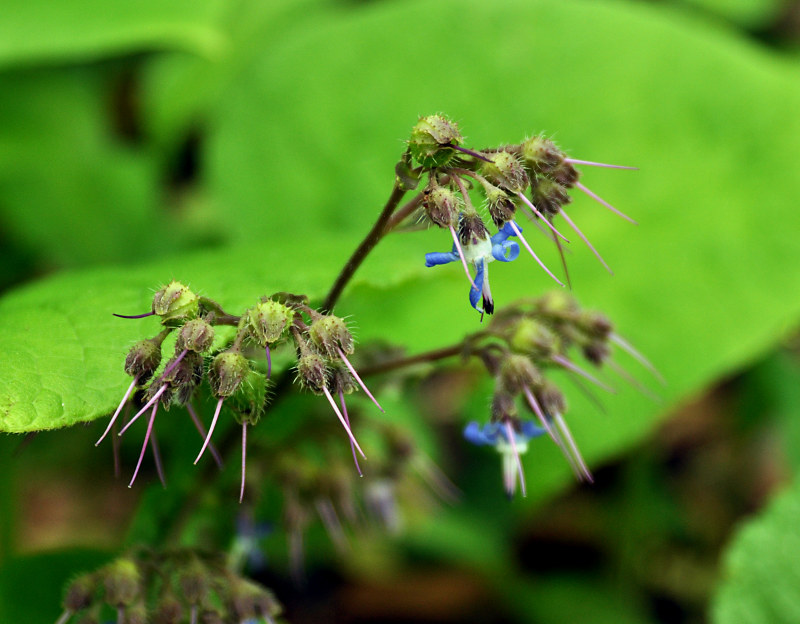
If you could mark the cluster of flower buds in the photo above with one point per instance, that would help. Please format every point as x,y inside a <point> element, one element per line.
<point>319,487</point>
<point>521,344</point>
<point>533,176</point>
<point>237,372</point>
<point>170,587</point>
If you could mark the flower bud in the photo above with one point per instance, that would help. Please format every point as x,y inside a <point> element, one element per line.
<point>196,335</point>
<point>250,400</point>
<point>534,338</point>
<point>506,171</point>
<point>168,610</point>
<point>471,229</point>
<point>541,155</point>
<point>143,359</point>
<point>227,372</point>
<point>329,334</point>
<point>311,371</point>
<point>430,141</point>
<point>549,196</point>
<point>565,174</point>
<point>441,205</point>
<point>595,324</point>
<point>551,399</point>
<point>596,351</point>
<point>518,372</point>
<point>557,304</point>
<point>268,320</point>
<point>341,379</point>
<point>175,303</point>
<point>501,206</point>
<point>80,593</point>
<point>503,407</point>
<point>122,582</point>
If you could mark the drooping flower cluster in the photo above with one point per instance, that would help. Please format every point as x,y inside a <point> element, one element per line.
<point>167,587</point>
<point>533,176</point>
<point>238,378</point>
<point>522,343</point>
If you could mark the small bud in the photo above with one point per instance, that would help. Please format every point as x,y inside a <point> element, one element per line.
<point>311,371</point>
<point>503,407</point>
<point>534,338</point>
<point>196,335</point>
<point>341,379</point>
<point>551,399</point>
<point>80,593</point>
<point>595,324</point>
<point>518,372</point>
<point>268,320</point>
<point>549,196</point>
<point>557,304</point>
<point>596,352</point>
<point>431,139</point>
<point>471,229</point>
<point>541,155</point>
<point>441,205</point>
<point>227,372</point>
<point>183,379</point>
<point>175,303</point>
<point>250,400</point>
<point>168,610</point>
<point>506,171</point>
<point>329,334</point>
<point>143,359</point>
<point>501,206</point>
<point>121,580</point>
<point>565,174</point>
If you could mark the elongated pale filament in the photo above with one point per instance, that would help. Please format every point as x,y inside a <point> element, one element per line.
<point>585,240</point>
<point>560,359</point>
<point>210,429</point>
<point>591,163</point>
<point>576,453</point>
<point>513,442</point>
<point>347,420</point>
<point>602,201</point>
<point>144,446</point>
<point>147,405</point>
<point>629,348</point>
<point>357,378</point>
<point>542,217</point>
<point>535,257</point>
<point>461,255</point>
<point>119,409</point>
<point>328,396</point>
<point>157,459</point>
<point>244,459</point>
<point>203,433</point>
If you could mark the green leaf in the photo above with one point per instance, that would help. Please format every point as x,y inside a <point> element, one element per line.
<point>762,568</point>
<point>40,31</point>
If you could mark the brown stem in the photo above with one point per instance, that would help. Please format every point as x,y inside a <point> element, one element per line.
<point>362,251</point>
<point>428,356</point>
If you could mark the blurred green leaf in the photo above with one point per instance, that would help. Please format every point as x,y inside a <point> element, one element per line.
<point>31,588</point>
<point>745,13</point>
<point>39,31</point>
<point>762,568</point>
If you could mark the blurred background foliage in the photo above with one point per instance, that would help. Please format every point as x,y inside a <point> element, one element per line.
<point>246,147</point>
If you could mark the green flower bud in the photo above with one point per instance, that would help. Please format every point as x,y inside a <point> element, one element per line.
<point>541,155</point>
<point>501,206</point>
<point>143,359</point>
<point>506,171</point>
<point>518,372</point>
<point>431,139</point>
<point>329,334</point>
<point>196,335</point>
<point>534,338</point>
<point>441,205</point>
<point>249,402</point>
<point>312,372</point>
<point>551,399</point>
<point>122,582</point>
<point>557,304</point>
<point>549,196</point>
<point>503,407</point>
<point>80,593</point>
<point>227,372</point>
<point>595,324</point>
<point>175,303</point>
<point>268,320</point>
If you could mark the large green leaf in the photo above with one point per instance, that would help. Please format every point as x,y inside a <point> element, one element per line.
<point>762,568</point>
<point>39,31</point>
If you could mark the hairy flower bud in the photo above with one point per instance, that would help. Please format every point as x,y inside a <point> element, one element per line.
<point>168,610</point>
<point>534,338</point>
<point>503,407</point>
<point>518,372</point>
<point>441,205</point>
<point>122,582</point>
<point>565,174</point>
<point>227,372</point>
<point>549,196</point>
<point>595,324</point>
<point>551,399</point>
<point>506,171</point>
<point>143,359</point>
<point>80,593</point>
<point>268,320</point>
<point>329,334</point>
<point>541,155</point>
<point>596,351</point>
<point>311,371</point>
<point>175,303</point>
<point>431,139</point>
<point>196,335</point>
<point>471,229</point>
<point>250,400</point>
<point>501,207</point>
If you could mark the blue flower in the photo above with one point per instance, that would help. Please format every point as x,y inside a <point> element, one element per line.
<point>498,247</point>
<point>510,443</point>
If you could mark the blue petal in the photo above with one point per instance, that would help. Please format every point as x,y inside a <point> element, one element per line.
<point>531,430</point>
<point>474,434</point>
<point>504,233</point>
<point>440,257</point>
<point>474,293</point>
<point>510,247</point>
